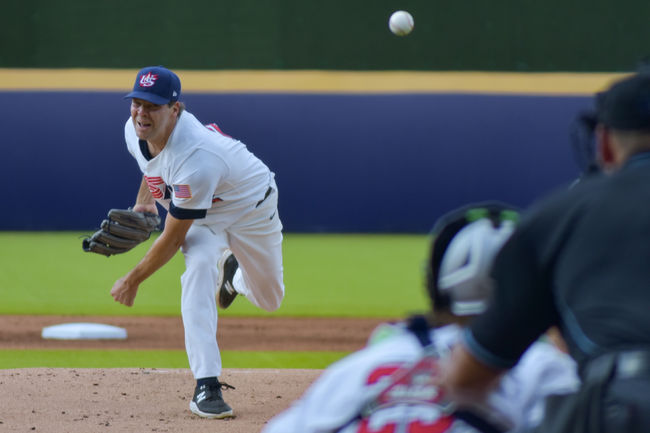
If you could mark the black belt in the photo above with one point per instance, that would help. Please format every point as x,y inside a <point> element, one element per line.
<point>623,365</point>
<point>632,364</point>
<point>266,195</point>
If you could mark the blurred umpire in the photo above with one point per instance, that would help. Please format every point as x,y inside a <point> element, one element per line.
<point>581,260</point>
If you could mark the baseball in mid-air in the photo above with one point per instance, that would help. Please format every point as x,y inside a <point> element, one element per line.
<point>401,23</point>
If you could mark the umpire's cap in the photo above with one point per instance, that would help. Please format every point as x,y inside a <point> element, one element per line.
<point>463,246</point>
<point>626,104</point>
<point>157,85</point>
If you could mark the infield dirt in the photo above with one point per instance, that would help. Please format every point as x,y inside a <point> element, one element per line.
<point>57,400</point>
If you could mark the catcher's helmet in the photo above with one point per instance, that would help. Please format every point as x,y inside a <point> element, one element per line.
<point>464,244</point>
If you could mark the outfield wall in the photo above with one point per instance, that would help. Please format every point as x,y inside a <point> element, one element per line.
<point>381,159</point>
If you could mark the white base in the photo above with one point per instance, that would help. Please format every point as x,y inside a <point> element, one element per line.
<point>83,331</point>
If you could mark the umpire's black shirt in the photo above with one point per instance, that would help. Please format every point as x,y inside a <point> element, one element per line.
<point>580,260</point>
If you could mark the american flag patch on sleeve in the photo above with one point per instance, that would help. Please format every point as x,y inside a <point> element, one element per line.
<point>182,191</point>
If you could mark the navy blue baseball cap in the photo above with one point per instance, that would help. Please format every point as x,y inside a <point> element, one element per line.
<point>157,85</point>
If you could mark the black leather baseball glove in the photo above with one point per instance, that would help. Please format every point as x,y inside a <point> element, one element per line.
<point>122,231</point>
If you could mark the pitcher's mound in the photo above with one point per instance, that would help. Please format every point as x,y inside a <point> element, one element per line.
<point>57,400</point>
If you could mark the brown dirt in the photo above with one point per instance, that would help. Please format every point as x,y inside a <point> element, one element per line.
<point>234,333</point>
<point>156,400</point>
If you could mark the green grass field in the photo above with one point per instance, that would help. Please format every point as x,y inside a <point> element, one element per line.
<point>159,359</point>
<point>325,275</point>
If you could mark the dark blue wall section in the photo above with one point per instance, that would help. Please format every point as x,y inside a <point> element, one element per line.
<point>343,163</point>
<point>64,162</point>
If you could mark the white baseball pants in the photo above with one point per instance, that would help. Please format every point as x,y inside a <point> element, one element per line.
<point>256,241</point>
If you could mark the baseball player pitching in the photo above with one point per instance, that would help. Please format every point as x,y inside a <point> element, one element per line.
<point>392,384</point>
<point>222,214</point>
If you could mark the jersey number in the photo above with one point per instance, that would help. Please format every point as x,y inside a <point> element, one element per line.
<point>427,367</point>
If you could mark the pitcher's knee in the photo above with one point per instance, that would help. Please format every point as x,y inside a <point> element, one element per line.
<point>271,307</point>
<point>270,296</point>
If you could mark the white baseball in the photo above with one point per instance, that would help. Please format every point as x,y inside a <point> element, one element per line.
<point>401,23</point>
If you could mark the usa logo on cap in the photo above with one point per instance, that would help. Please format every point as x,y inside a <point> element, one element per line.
<point>148,79</point>
<point>157,85</point>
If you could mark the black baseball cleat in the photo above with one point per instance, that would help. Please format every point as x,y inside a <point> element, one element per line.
<point>208,401</point>
<point>227,267</point>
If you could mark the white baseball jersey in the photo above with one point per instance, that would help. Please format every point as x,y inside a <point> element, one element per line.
<point>340,392</point>
<point>200,174</point>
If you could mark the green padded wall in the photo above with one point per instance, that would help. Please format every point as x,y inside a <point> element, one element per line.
<point>505,35</point>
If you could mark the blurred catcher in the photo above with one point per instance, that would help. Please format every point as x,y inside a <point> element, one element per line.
<point>391,385</point>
